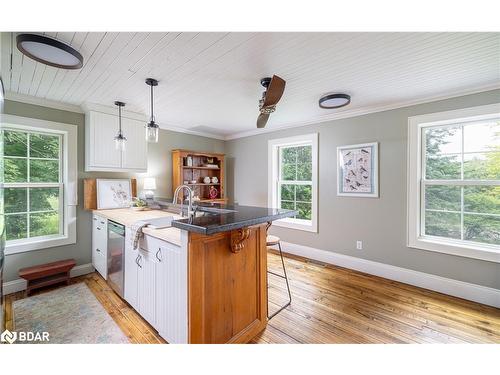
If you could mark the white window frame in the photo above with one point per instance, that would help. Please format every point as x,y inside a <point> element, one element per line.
<point>273,200</point>
<point>415,201</point>
<point>69,170</point>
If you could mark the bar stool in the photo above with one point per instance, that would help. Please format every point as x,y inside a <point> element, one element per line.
<point>273,241</point>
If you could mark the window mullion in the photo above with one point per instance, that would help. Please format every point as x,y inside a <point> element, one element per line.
<point>28,178</point>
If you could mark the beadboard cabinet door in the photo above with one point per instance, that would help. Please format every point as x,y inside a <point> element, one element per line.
<point>131,271</point>
<point>146,289</point>
<point>135,156</point>
<point>100,151</point>
<point>171,293</point>
<point>100,145</point>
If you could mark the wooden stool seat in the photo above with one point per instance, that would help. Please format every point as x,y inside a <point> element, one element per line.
<point>272,240</point>
<point>47,274</point>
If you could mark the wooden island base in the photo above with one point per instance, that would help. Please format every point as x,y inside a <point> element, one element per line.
<point>227,283</point>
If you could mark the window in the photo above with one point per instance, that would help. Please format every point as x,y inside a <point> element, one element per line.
<point>39,184</point>
<point>293,179</point>
<point>454,182</point>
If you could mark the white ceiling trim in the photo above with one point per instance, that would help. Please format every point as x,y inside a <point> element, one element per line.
<point>329,117</point>
<point>28,99</point>
<point>363,111</point>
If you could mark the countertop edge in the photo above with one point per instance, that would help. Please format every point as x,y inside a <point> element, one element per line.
<point>231,226</point>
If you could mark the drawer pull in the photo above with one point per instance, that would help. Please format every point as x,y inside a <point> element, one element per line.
<point>98,228</point>
<point>98,250</point>
<point>157,257</point>
<point>137,261</point>
<point>102,222</point>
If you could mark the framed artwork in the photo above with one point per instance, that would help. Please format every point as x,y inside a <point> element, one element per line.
<point>357,170</point>
<point>113,193</point>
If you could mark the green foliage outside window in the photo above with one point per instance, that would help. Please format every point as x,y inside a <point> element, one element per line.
<point>479,220</point>
<point>31,159</point>
<point>296,167</point>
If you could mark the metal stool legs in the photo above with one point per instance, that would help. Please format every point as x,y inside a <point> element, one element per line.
<point>287,286</point>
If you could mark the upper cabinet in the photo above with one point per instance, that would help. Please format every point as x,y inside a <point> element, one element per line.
<point>101,128</point>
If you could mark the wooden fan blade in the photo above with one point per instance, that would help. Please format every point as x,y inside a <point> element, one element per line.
<point>274,91</point>
<point>262,120</point>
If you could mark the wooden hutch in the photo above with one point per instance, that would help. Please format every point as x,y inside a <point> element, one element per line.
<point>191,168</point>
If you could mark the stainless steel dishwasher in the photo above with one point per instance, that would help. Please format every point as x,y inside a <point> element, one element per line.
<point>116,256</point>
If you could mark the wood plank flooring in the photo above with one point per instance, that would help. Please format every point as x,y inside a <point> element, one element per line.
<point>334,305</point>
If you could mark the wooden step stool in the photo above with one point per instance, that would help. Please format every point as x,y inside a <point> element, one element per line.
<point>47,274</point>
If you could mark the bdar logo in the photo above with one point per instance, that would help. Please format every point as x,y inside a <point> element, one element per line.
<point>8,336</point>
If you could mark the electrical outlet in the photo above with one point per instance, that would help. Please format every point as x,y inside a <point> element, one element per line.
<point>359,245</point>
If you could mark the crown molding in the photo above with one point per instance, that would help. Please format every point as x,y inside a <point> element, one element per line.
<point>28,99</point>
<point>112,110</point>
<point>317,120</point>
<point>363,111</point>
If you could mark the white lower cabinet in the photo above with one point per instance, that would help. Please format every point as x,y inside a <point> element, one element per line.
<point>146,288</point>
<point>156,286</point>
<point>171,293</point>
<point>100,244</point>
<point>131,269</point>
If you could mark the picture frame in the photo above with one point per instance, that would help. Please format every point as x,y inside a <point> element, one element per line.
<point>357,170</point>
<point>113,193</point>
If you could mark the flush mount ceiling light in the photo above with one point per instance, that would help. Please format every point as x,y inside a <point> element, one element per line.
<point>334,101</point>
<point>152,128</point>
<point>120,139</point>
<point>49,51</point>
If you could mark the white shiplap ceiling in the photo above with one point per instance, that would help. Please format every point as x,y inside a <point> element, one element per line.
<point>209,82</point>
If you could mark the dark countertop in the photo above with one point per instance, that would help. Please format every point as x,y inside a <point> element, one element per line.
<point>215,218</point>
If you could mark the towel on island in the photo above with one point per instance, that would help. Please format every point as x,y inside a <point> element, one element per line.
<point>137,234</point>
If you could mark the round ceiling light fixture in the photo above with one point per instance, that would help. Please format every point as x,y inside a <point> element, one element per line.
<point>49,51</point>
<point>330,101</point>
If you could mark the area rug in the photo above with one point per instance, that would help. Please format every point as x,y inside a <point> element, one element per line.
<point>71,315</point>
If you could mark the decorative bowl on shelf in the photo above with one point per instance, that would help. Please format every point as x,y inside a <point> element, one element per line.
<point>214,166</point>
<point>215,180</point>
<point>206,180</point>
<point>192,182</point>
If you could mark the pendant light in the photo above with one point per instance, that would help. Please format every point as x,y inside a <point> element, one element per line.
<point>152,128</point>
<point>120,139</point>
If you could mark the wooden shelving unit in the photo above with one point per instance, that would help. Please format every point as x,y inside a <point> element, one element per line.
<point>190,166</point>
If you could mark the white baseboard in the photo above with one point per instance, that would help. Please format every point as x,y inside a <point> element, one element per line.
<point>468,291</point>
<point>20,284</point>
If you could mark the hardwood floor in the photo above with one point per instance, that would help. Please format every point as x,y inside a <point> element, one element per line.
<point>335,305</point>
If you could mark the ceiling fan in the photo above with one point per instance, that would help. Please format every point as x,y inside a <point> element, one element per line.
<point>275,87</point>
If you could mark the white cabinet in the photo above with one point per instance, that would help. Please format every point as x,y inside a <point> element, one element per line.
<point>171,293</point>
<point>100,152</point>
<point>146,291</point>
<point>131,269</point>
<point>100,244</point>
<point>135,156</point>
<point>156,285</point>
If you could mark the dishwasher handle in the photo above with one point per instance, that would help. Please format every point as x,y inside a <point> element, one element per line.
<point>116,228</point>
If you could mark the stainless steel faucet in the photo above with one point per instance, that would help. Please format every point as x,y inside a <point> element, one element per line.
<point>190,211</point>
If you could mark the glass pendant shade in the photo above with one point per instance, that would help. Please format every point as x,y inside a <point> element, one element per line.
<point>120,142</point>
<point>152,131</point>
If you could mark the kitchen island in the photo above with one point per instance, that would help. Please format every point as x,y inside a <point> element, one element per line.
<point>203,279</point>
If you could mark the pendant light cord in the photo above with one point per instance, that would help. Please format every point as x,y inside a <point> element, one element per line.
<point>152,112</point>
<point>120,119</point>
